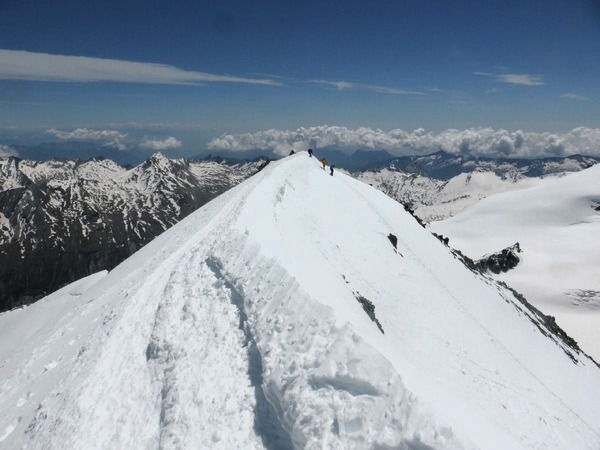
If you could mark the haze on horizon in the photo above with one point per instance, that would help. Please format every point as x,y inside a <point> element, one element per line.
<point>499,78</point>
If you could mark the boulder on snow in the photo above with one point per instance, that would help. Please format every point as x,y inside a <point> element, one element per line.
<point>369,308</point>
<point>394,240</point>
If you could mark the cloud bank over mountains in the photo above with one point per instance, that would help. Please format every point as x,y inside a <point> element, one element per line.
<point>6,150</point>
<point>485,142</point>
<point>86,134</point>
<point>111,138</point>
<point>115,139</point>
<point>158,144</point>
<point>474,141</point>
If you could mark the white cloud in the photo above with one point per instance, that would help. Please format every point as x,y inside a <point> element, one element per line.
<point>523,79</point>
<point>117,144</point>
<point>156,144</point>
<point>23,65</point>
<point>142,125</point>
<point>6,150</point>
<point>346,85</point>
<point>113,138</point>
<point>86,134</point>
<point>571,96</point>
<point>474,141</point>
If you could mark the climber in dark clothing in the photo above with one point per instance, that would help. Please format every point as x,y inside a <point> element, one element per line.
<point>292,152</point>
<point>331,168</point>
<point>310,152</point>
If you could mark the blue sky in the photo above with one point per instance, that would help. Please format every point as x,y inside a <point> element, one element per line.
<point>148,71</point>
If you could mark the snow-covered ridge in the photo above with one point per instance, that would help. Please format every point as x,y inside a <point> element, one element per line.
<point>240,327</point>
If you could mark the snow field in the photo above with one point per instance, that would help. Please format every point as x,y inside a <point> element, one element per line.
<point>240,328</point>
<point>559,233</point>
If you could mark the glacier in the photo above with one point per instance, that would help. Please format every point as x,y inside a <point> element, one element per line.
<point>241,327</point>
<point>557,224</point>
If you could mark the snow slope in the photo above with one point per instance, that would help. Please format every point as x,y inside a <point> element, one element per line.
<point>557,224</point>
<point>240,327</point>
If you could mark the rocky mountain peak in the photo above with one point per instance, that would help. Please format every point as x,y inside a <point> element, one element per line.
<point>85,216</point>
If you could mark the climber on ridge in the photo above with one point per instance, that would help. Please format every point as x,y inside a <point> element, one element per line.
<point>324,162</point>
<point>310,152</point>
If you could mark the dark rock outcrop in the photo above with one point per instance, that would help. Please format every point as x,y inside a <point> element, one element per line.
<point>394,240</point>
<point>369,308</point>
<point>443,239</point>
<point>501,261</point>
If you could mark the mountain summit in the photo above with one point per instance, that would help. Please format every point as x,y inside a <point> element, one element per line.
<point>296,310</point>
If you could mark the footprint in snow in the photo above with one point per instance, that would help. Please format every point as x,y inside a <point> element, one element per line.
<point>24,399</point>
<point>51,365</point>
<point>72,341</point>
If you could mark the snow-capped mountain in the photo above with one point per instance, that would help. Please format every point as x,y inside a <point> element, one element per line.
<point>61,220</point>
<point>443,165</point>
<point>433,199</point>
<point>557,225</point>
<point>296,310</point>
<point>441,185</point>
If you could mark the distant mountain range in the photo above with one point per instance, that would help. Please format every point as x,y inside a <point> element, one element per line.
<point>85,150</point>
<point>443,166</point>
<point>61,220</point>
<point>440,165</point>
<point>441,185</point>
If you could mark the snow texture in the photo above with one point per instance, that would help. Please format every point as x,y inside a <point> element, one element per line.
<point>240,328</point>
